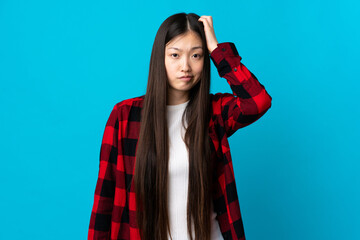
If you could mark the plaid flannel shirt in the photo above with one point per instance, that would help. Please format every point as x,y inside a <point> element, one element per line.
<point>114,210</point>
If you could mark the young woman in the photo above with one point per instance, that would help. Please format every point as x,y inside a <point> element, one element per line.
<point>165,165</point>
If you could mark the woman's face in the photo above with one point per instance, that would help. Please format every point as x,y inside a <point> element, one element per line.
<point>184,62</point>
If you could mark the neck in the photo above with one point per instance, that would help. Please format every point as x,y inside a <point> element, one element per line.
<point>175,98</point>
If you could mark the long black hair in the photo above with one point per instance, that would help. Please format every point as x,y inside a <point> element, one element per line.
<point>152,156</point>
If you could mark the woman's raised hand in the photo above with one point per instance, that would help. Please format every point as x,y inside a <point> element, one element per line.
<point>209,32</point>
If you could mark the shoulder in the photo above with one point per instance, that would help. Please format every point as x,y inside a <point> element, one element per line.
<point>128,109</point>
<point>135,101</point>
<point>127,104</point>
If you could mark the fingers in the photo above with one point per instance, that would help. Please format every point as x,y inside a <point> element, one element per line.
<point>206,20</point>
<point>209,32</point>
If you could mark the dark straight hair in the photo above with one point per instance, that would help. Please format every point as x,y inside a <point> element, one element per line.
<point>152,156</point>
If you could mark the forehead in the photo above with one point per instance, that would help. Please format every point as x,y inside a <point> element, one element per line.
<point>185,41</point>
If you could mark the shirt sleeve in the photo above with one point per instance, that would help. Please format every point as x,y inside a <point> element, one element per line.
<point>100,220</point>
<point>249,100</point>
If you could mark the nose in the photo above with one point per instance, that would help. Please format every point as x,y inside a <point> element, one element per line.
<point>185,65</point>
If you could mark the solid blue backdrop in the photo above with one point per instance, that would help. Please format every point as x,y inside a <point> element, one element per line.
<point>65,64</point>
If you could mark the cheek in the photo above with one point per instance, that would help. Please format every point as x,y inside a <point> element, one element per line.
<point>199,67</point>
<point>169,68</point>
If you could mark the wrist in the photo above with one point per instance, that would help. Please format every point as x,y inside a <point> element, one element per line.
<point>212,47</point>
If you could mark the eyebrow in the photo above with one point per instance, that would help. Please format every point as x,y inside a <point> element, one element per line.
<point>181,50</point>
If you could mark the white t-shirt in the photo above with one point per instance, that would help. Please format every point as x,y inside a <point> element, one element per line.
<point>179,176</point>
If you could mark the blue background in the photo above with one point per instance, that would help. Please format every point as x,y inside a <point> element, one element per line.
<point>65,64</point>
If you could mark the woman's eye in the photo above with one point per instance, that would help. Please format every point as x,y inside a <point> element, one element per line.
<point>197,55</point>
<point>174,55</point>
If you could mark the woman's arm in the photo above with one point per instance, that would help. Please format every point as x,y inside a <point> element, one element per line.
<point>249,100</point>
<point>100,221</point>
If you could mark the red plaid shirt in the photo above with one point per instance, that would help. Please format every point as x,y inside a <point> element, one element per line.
<point>113,214</point>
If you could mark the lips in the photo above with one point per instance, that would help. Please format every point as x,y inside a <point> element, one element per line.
<point>186,77</point>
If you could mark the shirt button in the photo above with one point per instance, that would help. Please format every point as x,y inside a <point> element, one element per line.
<point>223,49</point>
<point>235,69</point>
